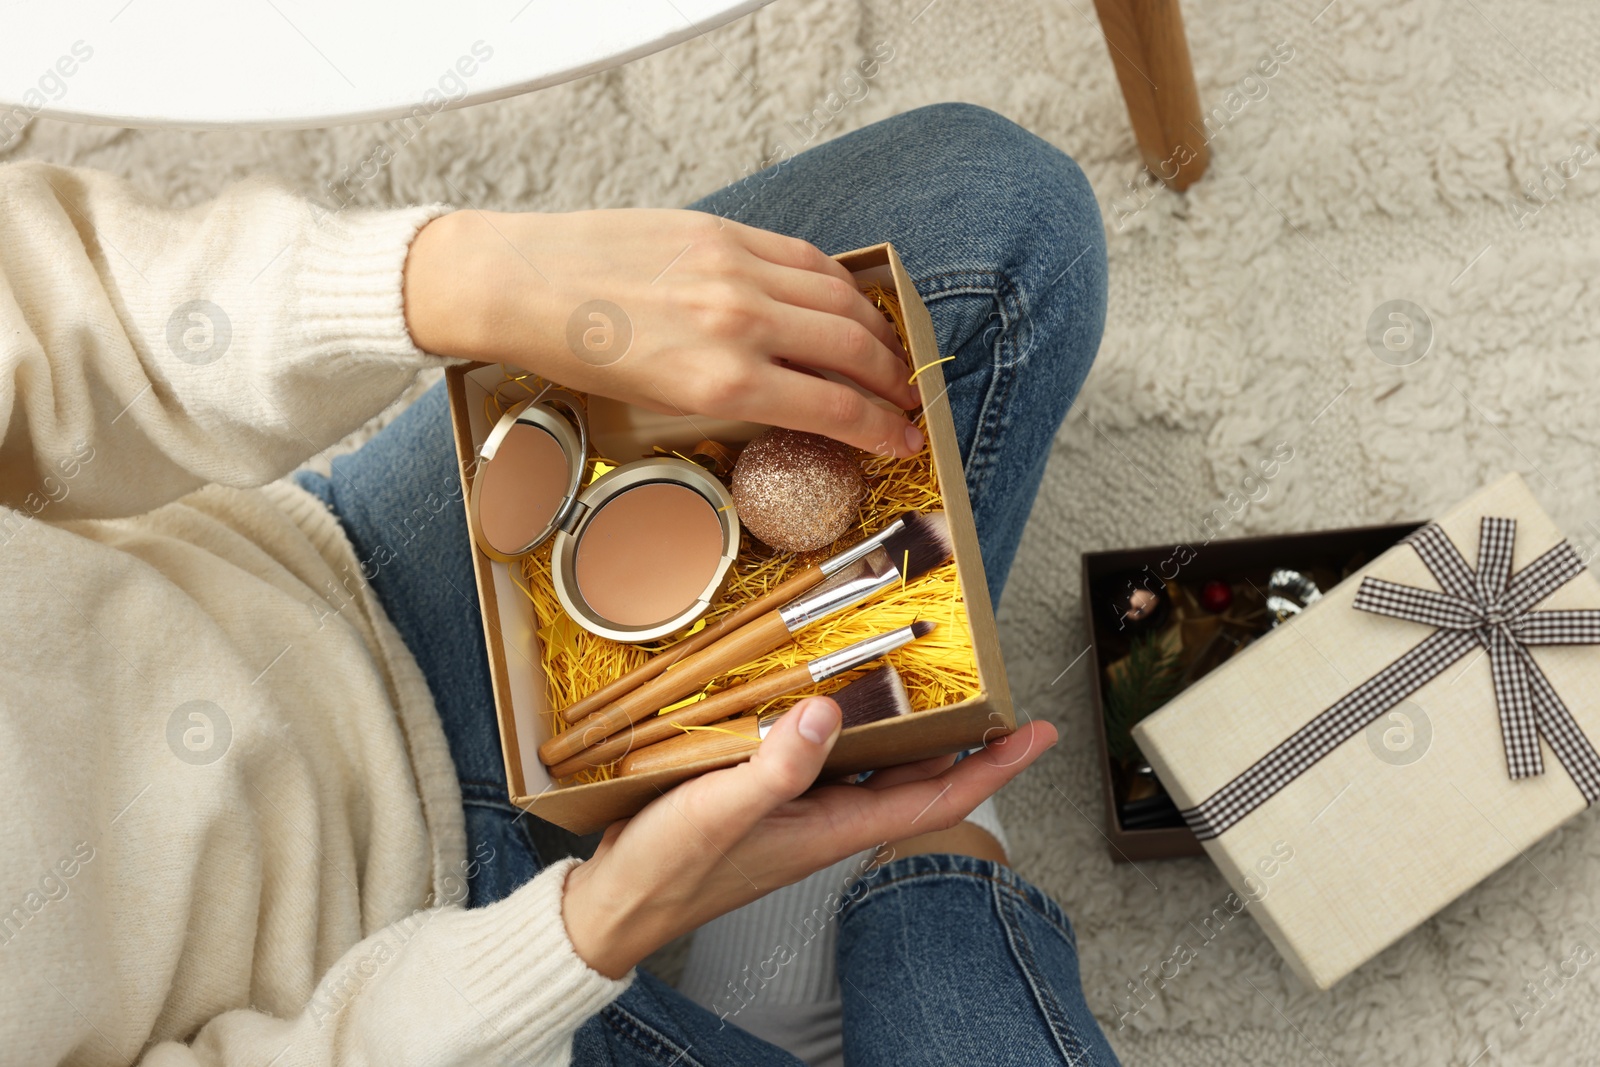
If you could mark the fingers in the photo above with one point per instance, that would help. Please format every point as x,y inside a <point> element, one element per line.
<point>965,785</point>
<point>777,302</point>
<point>902,810</point>
<point>793,252</point>
<point>800,274</point>
<point>909,772</point>
<point>826,293</point>
<point>786,764</point>
<point>828,341</point>
<point>802,402</point>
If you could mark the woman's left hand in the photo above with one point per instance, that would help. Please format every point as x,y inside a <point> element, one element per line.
<point>725,838</point>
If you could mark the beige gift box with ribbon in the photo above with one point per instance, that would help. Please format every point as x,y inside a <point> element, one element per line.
<point>1405,736</point>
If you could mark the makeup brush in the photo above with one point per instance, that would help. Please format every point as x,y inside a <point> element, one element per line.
<point>742,698</point>
<point>874,696</point>
<point>921,545</point>
<point>806,580</point>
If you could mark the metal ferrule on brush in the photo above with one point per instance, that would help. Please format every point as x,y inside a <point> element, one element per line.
<point>863,651</point>
<point>835,564</point>
<point>877,574</point>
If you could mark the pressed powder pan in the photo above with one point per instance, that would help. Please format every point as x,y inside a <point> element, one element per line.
<point>616,563</point>
<point>639,553</point>
<point>650,552</point>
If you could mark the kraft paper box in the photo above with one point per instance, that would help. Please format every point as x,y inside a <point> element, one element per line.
<point>510,631</point>
<point>1398,744</point>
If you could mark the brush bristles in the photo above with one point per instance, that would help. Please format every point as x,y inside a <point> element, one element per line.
<point>922,628</point>
<point>921,545</point>
<point>876,695</point>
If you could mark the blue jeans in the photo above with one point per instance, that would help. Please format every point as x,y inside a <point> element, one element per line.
<point>944,959</point>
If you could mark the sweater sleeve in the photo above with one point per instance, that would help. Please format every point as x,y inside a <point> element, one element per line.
<point>493,985</point>
<point>146,351</point>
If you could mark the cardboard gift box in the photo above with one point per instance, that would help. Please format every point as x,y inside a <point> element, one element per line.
<point>1373,758</point>
<point>511,632</point>
<point>1237,559</point>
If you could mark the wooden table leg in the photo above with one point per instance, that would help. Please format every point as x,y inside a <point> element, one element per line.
<point>1151,53</point>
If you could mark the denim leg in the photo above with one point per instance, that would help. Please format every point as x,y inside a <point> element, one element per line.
<point>654,1025</point>
<point>956,960</point>
<point>1001,235</point>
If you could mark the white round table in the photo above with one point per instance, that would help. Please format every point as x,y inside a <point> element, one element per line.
<point>205,64</point>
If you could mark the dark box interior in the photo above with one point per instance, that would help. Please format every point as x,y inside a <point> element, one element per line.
<point>1239,559</point>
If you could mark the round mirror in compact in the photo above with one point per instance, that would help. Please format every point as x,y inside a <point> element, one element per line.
<point>528,474</point>
<point>639,553</point>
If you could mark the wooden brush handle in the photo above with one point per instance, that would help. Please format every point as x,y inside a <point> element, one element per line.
<point>712,709</point>
<point>743,737</point>
<point>745,644</point>
<point>775,597</point>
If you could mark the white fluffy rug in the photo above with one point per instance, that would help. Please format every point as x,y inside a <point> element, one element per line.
<point>1376,164</point>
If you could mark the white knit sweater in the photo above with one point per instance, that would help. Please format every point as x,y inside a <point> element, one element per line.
<point>232,832</point>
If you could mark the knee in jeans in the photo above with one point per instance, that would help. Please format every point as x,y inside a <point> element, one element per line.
<point>974,134</point>
<point>1024,189</point>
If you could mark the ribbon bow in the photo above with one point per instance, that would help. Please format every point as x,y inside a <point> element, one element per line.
<point>1489,607</point>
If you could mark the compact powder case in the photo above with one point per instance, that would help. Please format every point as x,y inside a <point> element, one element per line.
<point>639,553</point>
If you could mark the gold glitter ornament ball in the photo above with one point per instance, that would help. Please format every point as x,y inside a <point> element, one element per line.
<point>797,491</point>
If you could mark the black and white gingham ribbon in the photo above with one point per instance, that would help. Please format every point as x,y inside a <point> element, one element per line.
<point>1488,608</point>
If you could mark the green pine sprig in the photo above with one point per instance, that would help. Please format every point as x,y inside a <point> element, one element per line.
<point>1149,678</point>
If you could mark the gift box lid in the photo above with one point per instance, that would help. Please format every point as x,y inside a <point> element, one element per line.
<point>1347,797</point>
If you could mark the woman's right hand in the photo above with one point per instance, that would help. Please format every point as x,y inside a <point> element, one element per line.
<point>679,312</point>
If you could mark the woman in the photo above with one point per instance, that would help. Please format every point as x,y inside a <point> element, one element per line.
<point>251,792</point>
